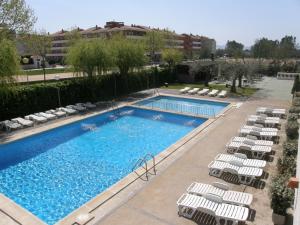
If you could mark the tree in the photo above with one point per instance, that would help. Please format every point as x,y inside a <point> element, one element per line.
<point>287,47</point>
<point>16,16</point>
<point>206,49</point>
<point>172,57</point>
<point>154,42</point>
<point>234,49</point>
<point>39,44</point>
<point>296,85</point>
<point>264,48</point>
<point>9,62</point>
<point>90,56</point>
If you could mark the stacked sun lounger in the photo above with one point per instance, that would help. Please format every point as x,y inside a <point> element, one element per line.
<point>213,205</point>
<point>42,117</point>
<point>265,121</point>
<point>271,112</point>
<point>184,90</point>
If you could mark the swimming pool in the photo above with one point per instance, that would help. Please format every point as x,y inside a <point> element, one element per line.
<point>53,173</point>
<point>184,105</point>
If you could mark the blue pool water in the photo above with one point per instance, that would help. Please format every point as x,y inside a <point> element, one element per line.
<point>53,173</point>
<point>184,105</point>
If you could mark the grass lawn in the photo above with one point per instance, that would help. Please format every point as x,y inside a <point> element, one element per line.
<point>242,92</point>
<point>48,71</point>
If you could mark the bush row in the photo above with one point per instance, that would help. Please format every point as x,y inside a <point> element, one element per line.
<point>22,100</point>
<point>282,196</point>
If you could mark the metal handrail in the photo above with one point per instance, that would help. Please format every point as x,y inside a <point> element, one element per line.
<point>142,162</point>
<point>182,108</point>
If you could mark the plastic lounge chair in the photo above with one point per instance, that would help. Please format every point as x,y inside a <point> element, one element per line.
<point>213,93</point>
<point>9,125</point>
<point>57,113</point>
<point>48,116</point>
<point>266,122</point>
<point>23,122</point>
<point>37,119</point>
<point>252,141</point>
<point>184,90</point>
<point>262,135</point>
<point>77,108</point>
<point>257,151</point>
<point>211,204</point>
<point>221,190</point>
<point>89,105</point>
<point>69,111</point>
<point>203,91</point>
<point>246,174</point>
<point>242,158</point>
<point>222,94</point>
<point>259,128</point>
<point>193,91</point>
<point>272,112</point>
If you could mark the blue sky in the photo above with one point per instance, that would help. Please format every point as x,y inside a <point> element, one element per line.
<point>240,20</point>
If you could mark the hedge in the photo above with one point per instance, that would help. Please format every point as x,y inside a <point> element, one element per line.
<point>26,99</point>
<point>292,128</point>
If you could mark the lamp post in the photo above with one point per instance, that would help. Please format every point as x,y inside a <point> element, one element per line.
<point>58,90</point>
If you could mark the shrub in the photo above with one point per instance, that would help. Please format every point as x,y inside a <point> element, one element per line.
<point>295,109</point>
<point>287,165</point>
<point>290,148</point>
<point>26,99</point>
<point>296,100</point>
<point>281,195</point>
<point>292,117</point>
<point>292,129</point>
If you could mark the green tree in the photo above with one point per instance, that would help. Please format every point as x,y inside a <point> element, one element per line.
<point>296,85</point>
<point>287,47</point>
<point>206,49</point>
<point>234,49</point>
<point>154,43</point>
<point>15,16</point>
<point>171,56</point>
<point>9,63</point>
<point>39,44</point>
<point>264,48</point>
<point>90,57</point>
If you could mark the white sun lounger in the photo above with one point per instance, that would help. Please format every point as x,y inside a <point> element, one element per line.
<point>184,90</point>
<point>37,119</point>
<point>9,125</point>
<point>221,190</point>
<point>203,91</point>
<point>57,113</point>
<point>211,204</point>
<point>213,93</point>
<point>49,116</point>
<point>222,94</point>
<point>78,108</point>
<point>242,158</point>
<point>263,135</point>
<point>252,120</point>
<point>193,91</point>
<point>246,174</point>
<point>69,111</point>
<point>252,141</point>
<point>259,128</point>
<point>257,151</point>
<point>89,105</point>
<point>23,122</point>
<point>272,112</point>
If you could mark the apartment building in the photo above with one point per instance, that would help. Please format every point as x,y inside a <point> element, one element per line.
<point>189,44</point>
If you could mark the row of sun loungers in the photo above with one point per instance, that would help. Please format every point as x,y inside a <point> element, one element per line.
<point>205,91</point>
<point>216,199</point>
<point>42,117</point>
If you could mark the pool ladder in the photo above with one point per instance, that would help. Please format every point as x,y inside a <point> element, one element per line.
<point>143,163</point>
<point>114,107</point>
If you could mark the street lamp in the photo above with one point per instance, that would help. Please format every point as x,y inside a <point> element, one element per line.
<point>58,90</point>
